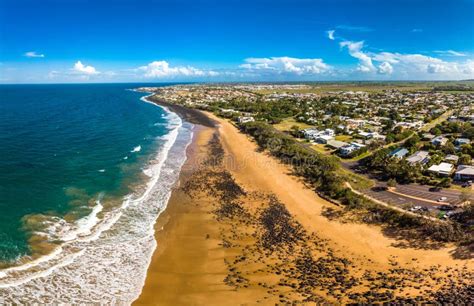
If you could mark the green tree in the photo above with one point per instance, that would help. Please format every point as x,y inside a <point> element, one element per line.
<point>391,183</point>
<point>465,159</point>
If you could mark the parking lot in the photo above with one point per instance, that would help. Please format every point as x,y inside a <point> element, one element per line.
<point>424,197</point>
<point>420,191</point>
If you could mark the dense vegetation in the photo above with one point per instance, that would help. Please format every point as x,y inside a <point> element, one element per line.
<point>324,174</point>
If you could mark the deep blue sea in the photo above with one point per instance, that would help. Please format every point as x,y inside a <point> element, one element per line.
<point>80,166</point>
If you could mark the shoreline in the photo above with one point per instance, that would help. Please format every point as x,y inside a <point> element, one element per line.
<point>127,224</point>
<point>187,114</point>
<point>193,263</point>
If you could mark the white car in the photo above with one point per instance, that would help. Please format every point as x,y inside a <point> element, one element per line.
<point>442,199</point>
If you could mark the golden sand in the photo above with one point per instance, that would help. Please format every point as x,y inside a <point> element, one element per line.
<point>192,265</point>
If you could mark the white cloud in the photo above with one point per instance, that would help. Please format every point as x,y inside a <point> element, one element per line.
<point>331,34</point>
<point>385,68</point>
<point>80,68</point>
<point>355,50</point>
<point>417,30</point>
<point>289,65</point>
<point>162,69</point>
<point>33,54</point>
<point>450,53</point>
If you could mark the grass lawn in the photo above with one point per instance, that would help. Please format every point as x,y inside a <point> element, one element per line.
<point>438,120</point>
<point>370,87</point>
<point>286,125</point>
<point>359,182</point>
<point>321,148</point>
<point>345,138</point>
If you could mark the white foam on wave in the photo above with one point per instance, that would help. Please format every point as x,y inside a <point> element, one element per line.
<point>136,149</point>
<point>106,258</point>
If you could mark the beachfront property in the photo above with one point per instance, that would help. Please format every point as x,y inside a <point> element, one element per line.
<point>464,173</point>
<point>319,136</point>
<point>350,148</point>
<point>336,144</point>
<point>442,169</point>
<point>245,119</point>
<point>420,157</point>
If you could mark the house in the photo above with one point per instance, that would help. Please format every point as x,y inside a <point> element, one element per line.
<point>329,132</point>
<point>428,136</point>
<point>350,148</point>
<point>322,138</point>
<point>464,173</point>
<point>336,144</point>
<point>371,135</point>
<point>319,136</point>
<point>443,169</point>
<point>439,141</point>
<point>399,153</point>
<point>421,157</point>
<point>450,158</point>
<point>246,119</point>
<point>310,133</point>
<point>462,141</point>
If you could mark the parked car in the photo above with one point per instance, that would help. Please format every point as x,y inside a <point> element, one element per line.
<point>419,208</point>
<point>435,189</point>
<point>467,184</point>
<point>442,199</point>
<point>446,207</point>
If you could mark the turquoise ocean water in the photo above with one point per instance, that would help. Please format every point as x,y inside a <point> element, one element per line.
<point>84,170</point>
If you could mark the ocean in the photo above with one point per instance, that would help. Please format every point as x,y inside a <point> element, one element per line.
<point>85,170</point>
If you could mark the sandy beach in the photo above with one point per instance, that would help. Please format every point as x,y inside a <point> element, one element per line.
<point>240,229</point>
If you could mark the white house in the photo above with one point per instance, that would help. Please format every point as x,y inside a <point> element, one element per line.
<point>443,169</point>
<point>352,147</point>
<point>246,119</point>
<point>323,138</point>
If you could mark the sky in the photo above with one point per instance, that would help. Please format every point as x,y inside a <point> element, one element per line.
<point>70,41</point>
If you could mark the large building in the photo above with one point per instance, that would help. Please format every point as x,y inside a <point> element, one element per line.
<point>442,169</point>
<point>464,173</point>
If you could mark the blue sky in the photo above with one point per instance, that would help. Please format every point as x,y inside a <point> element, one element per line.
<point>142,40</point>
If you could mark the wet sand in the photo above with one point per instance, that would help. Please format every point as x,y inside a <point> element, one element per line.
<point>239,229</point>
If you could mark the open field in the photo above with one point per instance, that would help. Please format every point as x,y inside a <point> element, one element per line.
<point>373,87</point>
<point>287,124</point>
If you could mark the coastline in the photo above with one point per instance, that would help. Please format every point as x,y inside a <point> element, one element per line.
<point>198,262</point>
<point>125,228</point>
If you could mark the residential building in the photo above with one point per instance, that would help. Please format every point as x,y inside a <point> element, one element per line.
<point>399,153</point>
<point>323,138</point>
<point>246,119</point>
<point>350,148</point>
<point>462,141</point>
<point>336,144</point>
<point>451,158</point>
<point>442,169</point>
<point>464,173</point>
<point>439,141</point>
<point>420,157</point>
